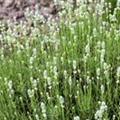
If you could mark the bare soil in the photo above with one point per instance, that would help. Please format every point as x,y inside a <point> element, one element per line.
<point>10,9</point>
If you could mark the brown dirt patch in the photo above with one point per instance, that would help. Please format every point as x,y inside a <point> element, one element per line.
<point>10,9</point>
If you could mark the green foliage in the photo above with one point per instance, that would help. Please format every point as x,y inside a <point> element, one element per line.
<point>61,70</point>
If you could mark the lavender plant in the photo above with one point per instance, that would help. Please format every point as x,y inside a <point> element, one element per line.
<point>61,69</point>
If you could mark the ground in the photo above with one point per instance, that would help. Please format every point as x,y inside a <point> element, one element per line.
<point>9,9</point>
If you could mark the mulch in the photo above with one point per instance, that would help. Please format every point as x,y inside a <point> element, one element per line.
<point>10,9</point>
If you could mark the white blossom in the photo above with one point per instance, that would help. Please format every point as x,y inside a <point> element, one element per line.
<point>49,81</point>
<point>118,71</point>
<point>31,60</point>
<point>70,81</point>
<point>43,107</point>
<point>102,88</point>
<point>55,60</point>
<point>118,3</point>
<point>98,71</point>
<point>10,84</point>
<point>45,74</point>
<point>30,92</point>
<point>87,48</point>
<point>61,99</point>
<point>37,117</point>
<point>76,118</point>
<point>74,64</point>
<point>99,113</point>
